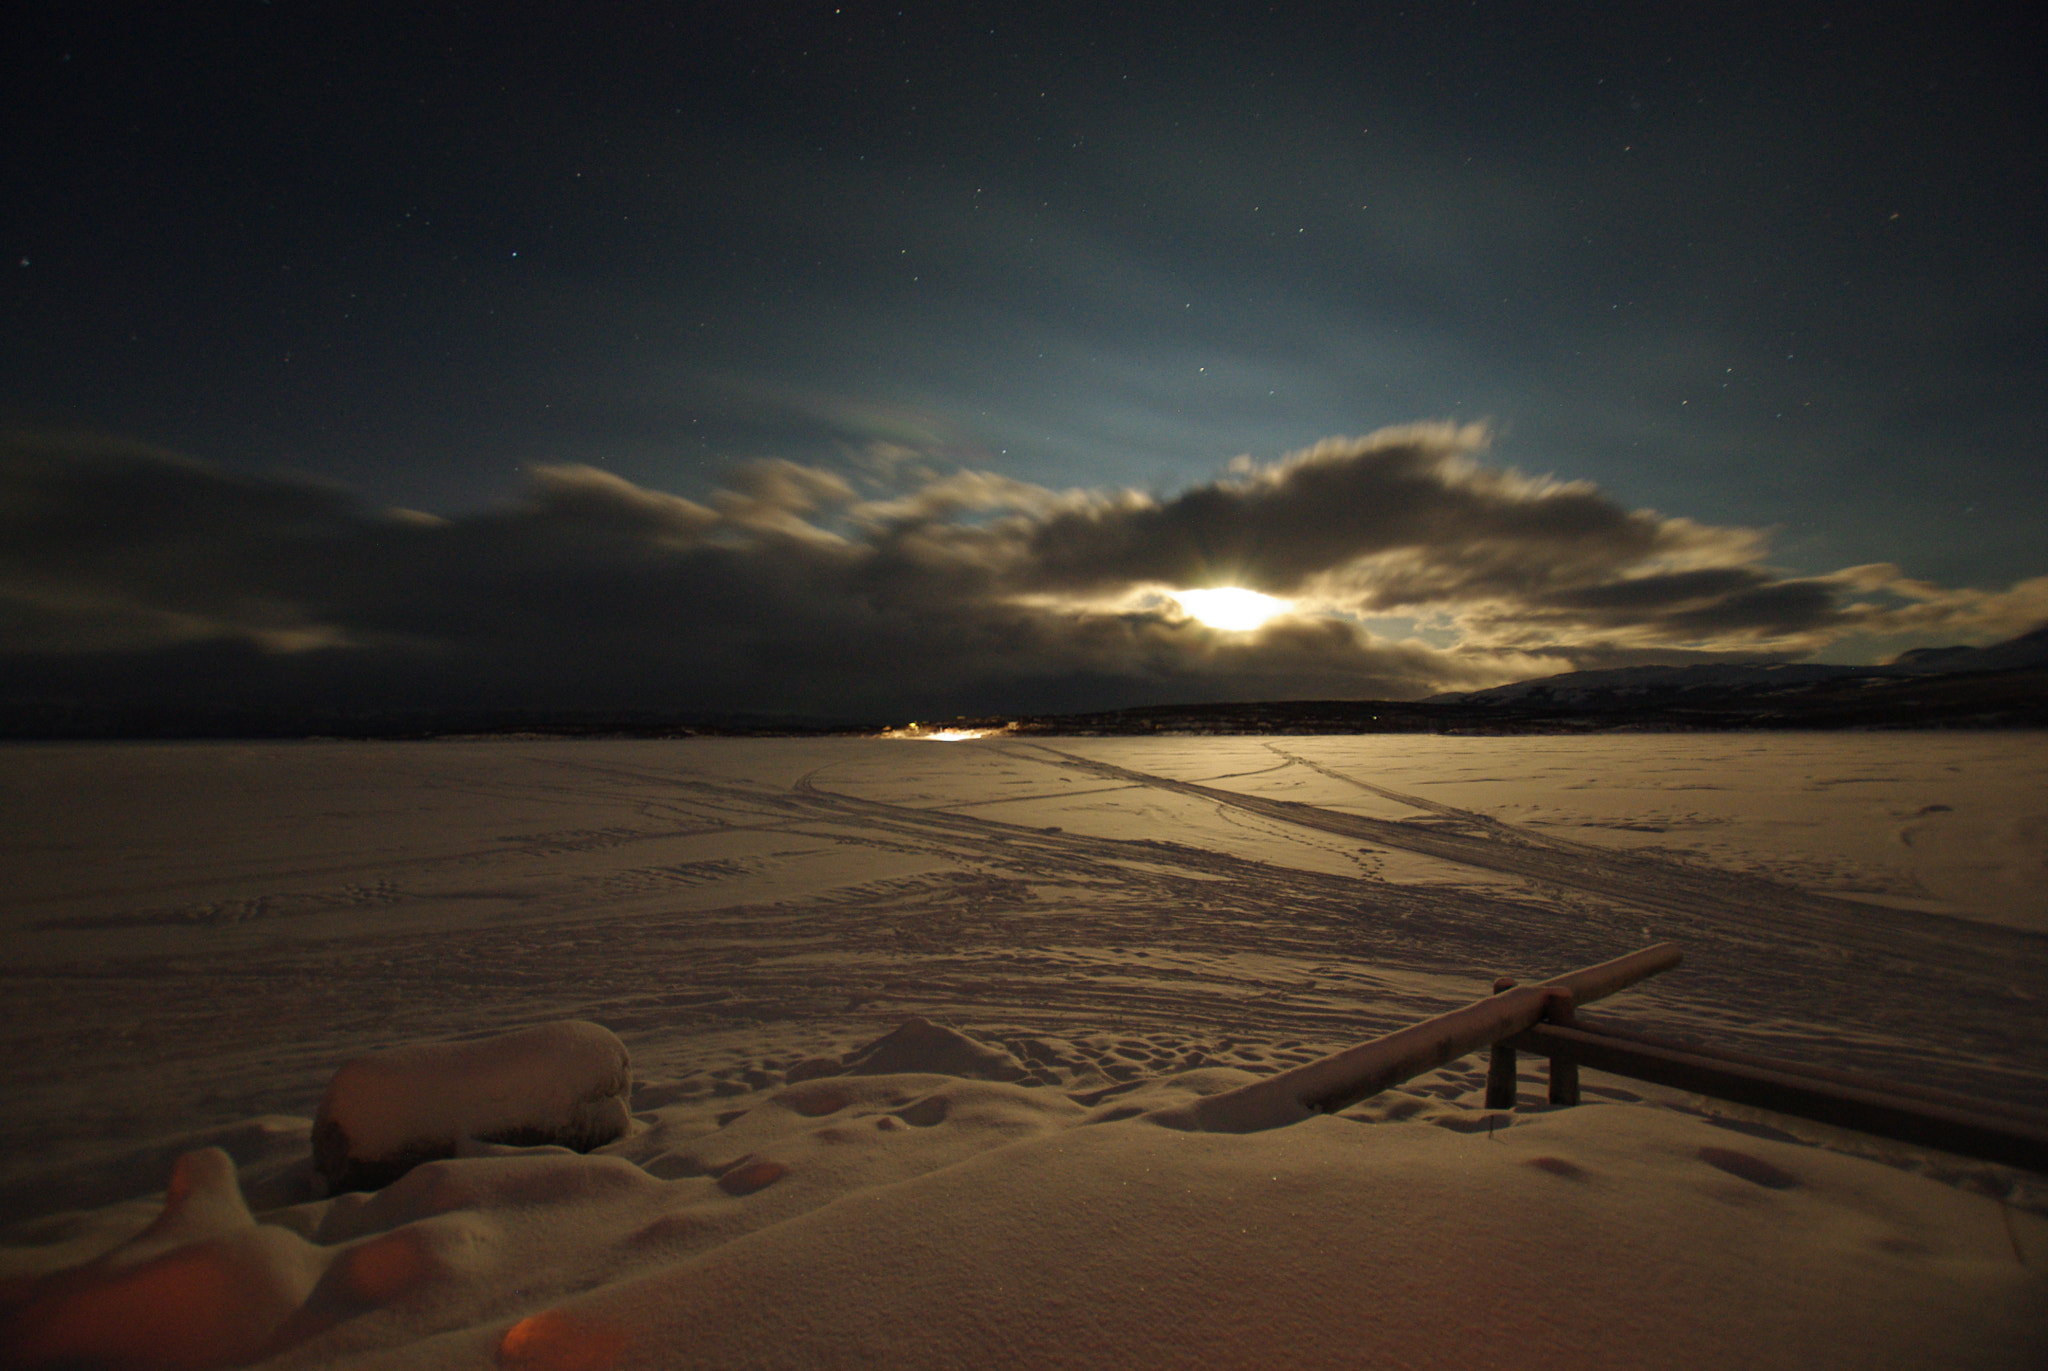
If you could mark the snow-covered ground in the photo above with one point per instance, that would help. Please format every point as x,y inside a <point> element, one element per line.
<point>198,936</point>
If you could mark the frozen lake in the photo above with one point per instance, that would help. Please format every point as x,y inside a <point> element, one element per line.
<point>197,934</point>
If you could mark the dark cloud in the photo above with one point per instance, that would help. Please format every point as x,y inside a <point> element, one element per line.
<point>130,576</point>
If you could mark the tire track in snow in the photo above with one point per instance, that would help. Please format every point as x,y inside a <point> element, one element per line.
<point>1685,891</point>
<point>1765,961</point>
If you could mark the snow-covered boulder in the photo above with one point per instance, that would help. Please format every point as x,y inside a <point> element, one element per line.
<point>384,1113</point>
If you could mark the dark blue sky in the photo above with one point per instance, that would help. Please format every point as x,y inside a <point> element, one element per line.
<point>1770,267</point>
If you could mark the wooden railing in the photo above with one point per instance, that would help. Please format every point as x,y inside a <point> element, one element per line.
<point>1344,1078</point>
<point>1542,1019</point>
<point>1916,1114</point>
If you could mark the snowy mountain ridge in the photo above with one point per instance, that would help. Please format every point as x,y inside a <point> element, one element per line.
<point>1611,683</point>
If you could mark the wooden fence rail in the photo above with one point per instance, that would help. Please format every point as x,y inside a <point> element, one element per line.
<point>1344,1078</point>
<point>1543,1019</point>
<point>1908,1113</point>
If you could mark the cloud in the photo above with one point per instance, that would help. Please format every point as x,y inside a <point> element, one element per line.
<point>130,576</point>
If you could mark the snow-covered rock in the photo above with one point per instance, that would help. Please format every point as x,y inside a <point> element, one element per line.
<point>384,1113</point>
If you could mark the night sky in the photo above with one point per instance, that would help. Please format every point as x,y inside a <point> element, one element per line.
<point>907,358</point>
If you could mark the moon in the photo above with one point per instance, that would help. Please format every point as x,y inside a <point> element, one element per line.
<point>1229,608</point>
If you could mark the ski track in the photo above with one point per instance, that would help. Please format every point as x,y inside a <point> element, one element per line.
<point>1164,950</point>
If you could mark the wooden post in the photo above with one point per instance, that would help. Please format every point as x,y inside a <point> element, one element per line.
<point>1564,1067</point>
<point>1500,1063</point>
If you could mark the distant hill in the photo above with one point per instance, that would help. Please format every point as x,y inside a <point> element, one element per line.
<point>1929,658</point>
<point>2001,686</point>
<point>1617,686</point>
<point>2027,650</point>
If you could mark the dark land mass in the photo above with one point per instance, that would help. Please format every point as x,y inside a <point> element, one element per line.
<point>2004,686</point>
<point>1976,700</point>
<point>2008,699</point>
<point>53,724</point>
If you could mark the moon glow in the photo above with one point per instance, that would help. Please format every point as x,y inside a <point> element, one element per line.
<point>1229,607</point>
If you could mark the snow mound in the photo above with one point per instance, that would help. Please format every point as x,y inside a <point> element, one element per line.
<point>933,1220</point>
<point>562,1084</point>
<point>920,1046</point>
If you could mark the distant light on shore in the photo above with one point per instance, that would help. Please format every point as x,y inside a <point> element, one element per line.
<point>922,733</point>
